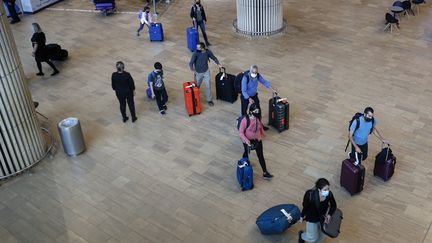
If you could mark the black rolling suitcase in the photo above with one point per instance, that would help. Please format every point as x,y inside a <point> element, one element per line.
<point>225,86</point>
<point>279,113</point>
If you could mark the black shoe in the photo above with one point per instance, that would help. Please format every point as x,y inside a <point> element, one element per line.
<point>300,240</point>
<point>165,107</point>
<point>265,128</point>
<point>15,21</point>
<point>125,119</point>
<point>134,119</point>
<point>55,73</point>
<point>162,112</point>
<point>267,175</point>
<point>211,103</point>
<point>40,74</point>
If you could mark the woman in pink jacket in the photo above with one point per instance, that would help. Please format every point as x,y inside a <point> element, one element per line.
<point>252,136</point>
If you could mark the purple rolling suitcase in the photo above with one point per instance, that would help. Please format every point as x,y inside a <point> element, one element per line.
<point>352,176</point>
<point>385,163</point>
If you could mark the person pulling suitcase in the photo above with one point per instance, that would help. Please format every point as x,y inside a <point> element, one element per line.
<point>249,89</point>
<point>144,19</point>
<point>199,65</point>
<point>251,133</point>
<point>319,205</point>
<point>360,126</point>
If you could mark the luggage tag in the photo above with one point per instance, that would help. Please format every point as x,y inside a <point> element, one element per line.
<point>191,86</point>
<point>243,165</point>
<point>289,218</point>
<point>222,70</point>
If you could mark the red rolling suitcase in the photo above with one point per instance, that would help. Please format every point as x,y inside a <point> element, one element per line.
<point>385,163</point>
<point>192,98</point>
<point>279,113</point>
<point>352,176</point>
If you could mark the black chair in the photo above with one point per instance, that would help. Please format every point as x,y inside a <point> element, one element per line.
<point>36,104</point>
<point>406,5</point>
<point>390,22</point>
<point>417,3</point>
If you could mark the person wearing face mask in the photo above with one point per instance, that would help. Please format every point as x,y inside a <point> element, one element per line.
<point>199,65</point>
<point>249,89</point>
<point>144,20</point>
<point>318,206</point>
<point>359,132</point>
<point>198,16</point>
<point>157,86</point>
<point>251,133</point>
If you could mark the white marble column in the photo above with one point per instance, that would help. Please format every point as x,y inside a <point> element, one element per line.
<point>259,17</point>
<point>21,140</point>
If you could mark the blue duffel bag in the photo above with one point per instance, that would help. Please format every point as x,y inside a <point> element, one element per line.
<point>275,221</point>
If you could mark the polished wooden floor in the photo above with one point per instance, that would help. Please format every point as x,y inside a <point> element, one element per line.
<point>172,178</point>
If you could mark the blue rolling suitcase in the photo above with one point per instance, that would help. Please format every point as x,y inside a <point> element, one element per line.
<point>277,219</point>
<point>156,32</point>
<point>192,38</point>
<point>244,174</point>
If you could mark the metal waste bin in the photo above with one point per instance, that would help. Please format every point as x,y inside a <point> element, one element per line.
<point>71,136</point>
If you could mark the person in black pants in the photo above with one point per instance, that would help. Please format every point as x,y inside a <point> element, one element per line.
<point>39,50</point>
<point>123,84</point>
<point>13,14</point>
<point>249,89</point>
<point>157,86</point>
<point>251,133</point>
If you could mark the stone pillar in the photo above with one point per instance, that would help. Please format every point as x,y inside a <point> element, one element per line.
<point>21,141</point>
<point>259,17</point>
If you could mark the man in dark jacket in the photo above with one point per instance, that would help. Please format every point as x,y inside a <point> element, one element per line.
<point>199,18</point>
<point>199,65</point>
<point>13,14</point>
<point>123,84</point>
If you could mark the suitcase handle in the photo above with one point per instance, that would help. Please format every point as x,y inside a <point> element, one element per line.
<point>388,149</point>
<point>358,161</point>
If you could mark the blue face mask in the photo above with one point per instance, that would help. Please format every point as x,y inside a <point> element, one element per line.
<point>325,193</point>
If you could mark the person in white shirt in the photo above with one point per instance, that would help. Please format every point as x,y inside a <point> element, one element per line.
<point>145,19</point>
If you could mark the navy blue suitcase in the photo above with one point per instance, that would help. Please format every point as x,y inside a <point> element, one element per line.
<point>244,174</point>
<point>156,32</point>
<point>274,221</point>
<point>192,38</point>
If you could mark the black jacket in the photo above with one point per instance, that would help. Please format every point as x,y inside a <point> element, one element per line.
<point>122,83</point>
<point>193,13</point>
<point>314,210</point>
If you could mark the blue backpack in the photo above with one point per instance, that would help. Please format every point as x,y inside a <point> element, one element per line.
<point>274,220</point>
<point>244,174</point>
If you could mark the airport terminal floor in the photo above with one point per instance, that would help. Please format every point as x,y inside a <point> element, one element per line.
<point>172,178</point>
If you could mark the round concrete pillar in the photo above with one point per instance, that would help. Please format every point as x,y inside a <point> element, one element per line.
<point>259,17</point>
<point>21,141</point>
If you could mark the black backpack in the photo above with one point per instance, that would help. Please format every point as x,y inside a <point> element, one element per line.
<point>240,119</point>
<point>238,80</point>
<point>356,118</point>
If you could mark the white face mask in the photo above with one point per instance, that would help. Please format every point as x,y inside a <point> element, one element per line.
<point>254,75</point>
<point>325,193</point>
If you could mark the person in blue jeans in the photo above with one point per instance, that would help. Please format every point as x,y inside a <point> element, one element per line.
<point>358,136</point>
<point>145,20</point>
<point>198,16</point>
<point>249,89</point>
